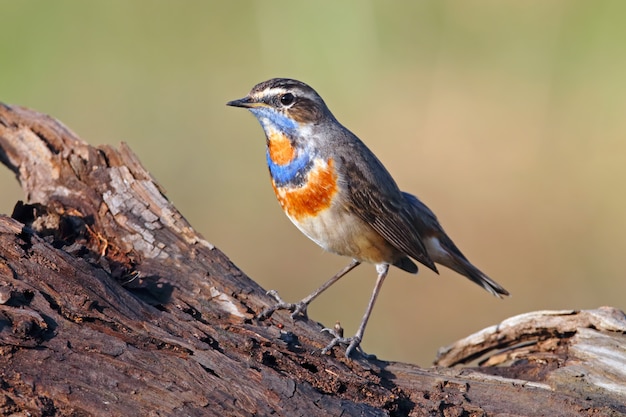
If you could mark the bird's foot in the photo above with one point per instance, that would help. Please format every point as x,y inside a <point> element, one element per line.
<point>297,309</point>
<point>354,343</point>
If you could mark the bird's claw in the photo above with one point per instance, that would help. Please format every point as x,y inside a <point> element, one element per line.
<point>354,343</point>
<point>297,309</point>
<point>275,296</point>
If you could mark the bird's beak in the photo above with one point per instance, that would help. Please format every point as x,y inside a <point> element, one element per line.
<point>245,102</point>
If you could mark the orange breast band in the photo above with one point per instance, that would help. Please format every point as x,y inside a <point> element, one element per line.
<point>314,196</point>
<point>280,150</point>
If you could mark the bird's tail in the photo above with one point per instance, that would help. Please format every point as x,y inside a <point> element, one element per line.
<point>461,265</point>
<point>443,251</point>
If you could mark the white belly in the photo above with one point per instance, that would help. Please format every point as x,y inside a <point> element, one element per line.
<point>345,234</point>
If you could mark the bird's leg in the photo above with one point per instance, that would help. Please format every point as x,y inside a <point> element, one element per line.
<point>354,342</point>
<point>299,308</point>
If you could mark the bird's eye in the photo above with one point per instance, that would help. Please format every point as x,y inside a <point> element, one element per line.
<point>287,99</point>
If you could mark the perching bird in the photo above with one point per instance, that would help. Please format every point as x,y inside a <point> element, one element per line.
<point>335,190</point>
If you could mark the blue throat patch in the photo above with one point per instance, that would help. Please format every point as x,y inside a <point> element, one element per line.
<point>277,120</point>
<point>293,173</point>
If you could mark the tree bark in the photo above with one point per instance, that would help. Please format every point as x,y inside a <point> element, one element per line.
<point>112,304</point>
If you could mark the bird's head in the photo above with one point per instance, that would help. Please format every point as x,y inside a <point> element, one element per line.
<point>285,105</point>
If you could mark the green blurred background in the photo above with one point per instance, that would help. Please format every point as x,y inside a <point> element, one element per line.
<point>506,118</point>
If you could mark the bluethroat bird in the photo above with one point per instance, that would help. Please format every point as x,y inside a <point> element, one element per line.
<point>335,190</point>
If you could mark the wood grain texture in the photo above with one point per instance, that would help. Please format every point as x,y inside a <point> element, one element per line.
<point>112,304</point>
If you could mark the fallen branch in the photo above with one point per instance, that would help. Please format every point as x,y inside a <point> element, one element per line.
<point>111,304</point>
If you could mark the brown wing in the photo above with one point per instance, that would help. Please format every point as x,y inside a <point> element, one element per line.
<point>375,198</point>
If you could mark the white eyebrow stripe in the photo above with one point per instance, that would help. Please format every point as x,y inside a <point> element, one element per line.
<point>271,92</point>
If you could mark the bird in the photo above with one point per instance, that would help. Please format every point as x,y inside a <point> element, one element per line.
<point>337,192</point>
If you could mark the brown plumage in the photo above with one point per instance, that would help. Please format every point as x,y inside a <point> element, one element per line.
<point>364,214</point>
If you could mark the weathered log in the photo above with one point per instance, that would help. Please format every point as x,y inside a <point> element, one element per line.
<point>111,304</point>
